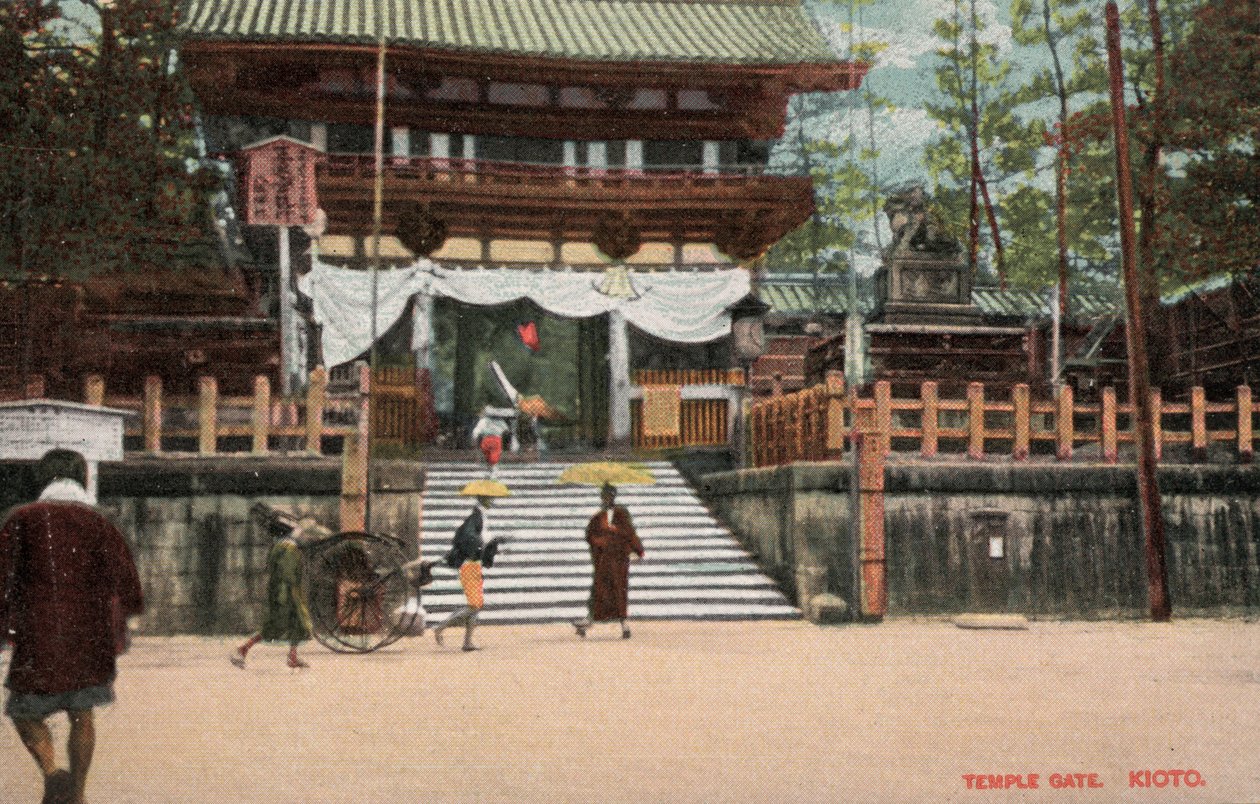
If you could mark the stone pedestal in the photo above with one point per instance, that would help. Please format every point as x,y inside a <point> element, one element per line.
<point>925,288</point>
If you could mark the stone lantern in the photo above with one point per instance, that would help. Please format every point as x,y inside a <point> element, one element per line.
<point>748,342</point>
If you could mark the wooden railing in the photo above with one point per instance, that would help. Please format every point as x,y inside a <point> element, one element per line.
<point>719,376</point>
<point>817,423</point>
<point>706,408</point>
<point>209,423</point>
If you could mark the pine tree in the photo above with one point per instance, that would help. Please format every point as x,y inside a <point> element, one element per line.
<point>1211,220</point>
<point>983,139</point>
<point>99,143</point>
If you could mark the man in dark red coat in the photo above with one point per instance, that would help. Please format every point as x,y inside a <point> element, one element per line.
<point>69,583</point>
<point>612,540</point>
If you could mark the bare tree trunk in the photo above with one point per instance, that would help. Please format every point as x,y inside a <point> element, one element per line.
<point>999,250</point>
<point>1061,162</point>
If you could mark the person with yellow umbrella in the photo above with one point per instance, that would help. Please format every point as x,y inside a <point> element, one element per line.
<point>470,551</point>
<point>613,542</point>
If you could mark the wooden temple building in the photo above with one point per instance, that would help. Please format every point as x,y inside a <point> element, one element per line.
<point>605,160</point>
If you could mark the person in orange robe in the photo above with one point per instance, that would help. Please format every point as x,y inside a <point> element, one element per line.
<point>613,542</point>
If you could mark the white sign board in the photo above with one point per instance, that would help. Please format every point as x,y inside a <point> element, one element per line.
<point>31,427</point>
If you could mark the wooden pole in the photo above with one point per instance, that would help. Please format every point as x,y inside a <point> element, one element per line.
<point>1139,381</point>
<point>378,202</point>
<point>261,419</point>
<point>207,415</point>
<point>316,395</point>
<point>1244,424</point>
<point>153,414</point>
<point>1021,396</point>
<point>1064,432</point>
<point>94,390</point>
<point>975,420</point>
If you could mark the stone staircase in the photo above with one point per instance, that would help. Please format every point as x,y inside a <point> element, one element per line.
<point>694,568</point>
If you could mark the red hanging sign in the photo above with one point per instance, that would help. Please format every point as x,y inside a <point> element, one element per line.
<point>278,182</point>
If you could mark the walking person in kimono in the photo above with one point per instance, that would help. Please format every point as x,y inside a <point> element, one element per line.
<point>470,552</point>
<point>613,542</point>
<point>68,584</point>
<point>287,618</point>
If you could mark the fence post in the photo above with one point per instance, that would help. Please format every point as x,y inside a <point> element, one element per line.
<point>975,420</point>
<point>94,390</point>
<point>1022,424</point>
<point>869,458</point>
<point>883,415</point>
<point>1157,421</point>
<point>353,511</point>
<point>1064,426</point>
<point>207,414</point>
<point>152,414</point>
<point>1110,438</point>
<point>1244,424</point>
<point>1198,424</point>
<point>835,415</point>
<point>354,462</point>
<point>316,396</point>
<point>262,414</point>
<point>799,411</point>
<point>929,420</point>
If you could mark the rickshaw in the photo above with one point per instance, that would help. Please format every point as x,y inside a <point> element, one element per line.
<point>362,591</point>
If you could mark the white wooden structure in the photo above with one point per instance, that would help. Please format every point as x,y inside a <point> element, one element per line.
<point>31,427</point>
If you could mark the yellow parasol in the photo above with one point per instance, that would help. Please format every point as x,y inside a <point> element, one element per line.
<point>601,472</point>
<point>485,488</point>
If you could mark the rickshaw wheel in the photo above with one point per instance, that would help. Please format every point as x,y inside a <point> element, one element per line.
<point>358,593</point>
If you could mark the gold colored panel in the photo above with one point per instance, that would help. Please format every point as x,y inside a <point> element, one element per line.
<point>534,251</point>
<point>459,248</point>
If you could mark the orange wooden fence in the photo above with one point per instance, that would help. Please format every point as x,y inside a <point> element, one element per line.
<point>702,423</point>
<point>209,423</point>
<point>815,424</point>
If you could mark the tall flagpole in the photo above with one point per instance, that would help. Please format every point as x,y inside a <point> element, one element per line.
<point>378,192</point>
<point>1139,381</point>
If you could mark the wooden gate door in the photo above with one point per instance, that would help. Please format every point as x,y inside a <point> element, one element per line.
<point>396,410</point>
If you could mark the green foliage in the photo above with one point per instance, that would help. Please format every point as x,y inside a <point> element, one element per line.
<point>1068,90</point>
<point>976,103</point>
<point>1211,211</point>
<point>825,142</point>
<point>96,136</point>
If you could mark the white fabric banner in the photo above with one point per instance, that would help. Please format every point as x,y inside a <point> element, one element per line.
<point>679,306</point>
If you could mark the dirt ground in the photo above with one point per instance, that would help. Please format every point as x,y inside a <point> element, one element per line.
<point>690,712</point>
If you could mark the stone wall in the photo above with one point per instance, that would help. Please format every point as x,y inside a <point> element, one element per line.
<point>1040,539</point>
<point>795,520</point>
<point>202,556</point>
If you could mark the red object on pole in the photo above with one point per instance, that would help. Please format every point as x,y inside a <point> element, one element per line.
<point>529,335</point>
<point>1139,380</point>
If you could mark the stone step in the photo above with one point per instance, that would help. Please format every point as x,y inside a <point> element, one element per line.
<point>694,568</point>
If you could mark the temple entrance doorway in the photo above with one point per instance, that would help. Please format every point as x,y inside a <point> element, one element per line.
<point>563,360</point>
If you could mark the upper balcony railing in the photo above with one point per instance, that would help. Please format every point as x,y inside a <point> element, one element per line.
<point>364,165</point>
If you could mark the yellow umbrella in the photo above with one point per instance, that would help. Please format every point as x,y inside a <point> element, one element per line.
<point>485,488</point>
<point>601,472</point>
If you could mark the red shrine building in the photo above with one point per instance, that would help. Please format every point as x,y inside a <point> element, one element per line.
<point>605,161</point>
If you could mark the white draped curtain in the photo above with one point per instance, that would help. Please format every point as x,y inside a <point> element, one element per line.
<point>678,306</point>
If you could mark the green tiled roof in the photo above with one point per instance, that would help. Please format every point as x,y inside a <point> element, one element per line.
<point>759,32</point>
<point>804,294</point>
